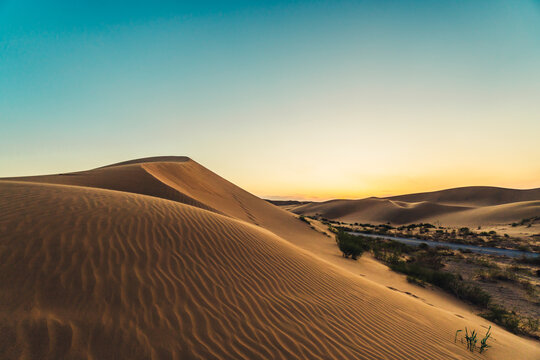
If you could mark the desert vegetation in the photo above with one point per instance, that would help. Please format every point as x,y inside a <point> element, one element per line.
<point>440,267</point>
<point>471,340</point>
<point>349,246</point>
<point>431,232</point>
<point>303,218</point>
<point>528,222</point>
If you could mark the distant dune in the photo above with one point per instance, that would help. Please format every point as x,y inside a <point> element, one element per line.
<point>475,205</point>
<point>163,259</point>
<point>473,196</point>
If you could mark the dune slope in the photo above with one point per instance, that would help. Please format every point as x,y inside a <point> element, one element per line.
<point>98,274</point>
<point>183,180</point>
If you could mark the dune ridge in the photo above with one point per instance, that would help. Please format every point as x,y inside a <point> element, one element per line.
<point>151,159</point>
<point>129,178</point>
<point>184,181</point>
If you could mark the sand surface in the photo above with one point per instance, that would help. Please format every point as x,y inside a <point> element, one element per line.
<point>166,260</point>
<point>467,206</point>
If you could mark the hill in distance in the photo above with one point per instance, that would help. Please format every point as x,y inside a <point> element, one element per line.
<point>160,258</point>
<point>467,206</point>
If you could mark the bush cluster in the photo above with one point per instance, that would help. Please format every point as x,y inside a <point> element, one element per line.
<point>445,280</point>
<point>303,218</point>
<point>350,245</point>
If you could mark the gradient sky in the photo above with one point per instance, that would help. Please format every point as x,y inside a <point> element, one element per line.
<point>299,99</point>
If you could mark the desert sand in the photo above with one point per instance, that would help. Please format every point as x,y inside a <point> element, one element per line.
<point>466,206</point>
<point>162,259</point>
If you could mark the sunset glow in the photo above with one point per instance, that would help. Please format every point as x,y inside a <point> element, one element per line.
<point>305,100</point>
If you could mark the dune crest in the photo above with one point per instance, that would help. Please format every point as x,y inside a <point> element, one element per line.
<point>183,180</point>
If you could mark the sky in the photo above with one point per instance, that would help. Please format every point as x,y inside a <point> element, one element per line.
<point>286,99</point>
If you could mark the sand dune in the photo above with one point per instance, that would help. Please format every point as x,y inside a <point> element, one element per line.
<point>89,273</point>
<point>491,215</point>
<point>376,210</point>
<point>183,180</point>
<point>474,205</point>
<point>473,196</point>
<point>181,264</point>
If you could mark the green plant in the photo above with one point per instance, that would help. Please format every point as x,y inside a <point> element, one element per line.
<point>457,331</point>
<point>483,342</point>
<point>471,340</point>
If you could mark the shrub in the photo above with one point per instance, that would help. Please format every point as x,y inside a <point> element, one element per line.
<point>446,281</point>
<point>350,245</point>
<point>430,259</point>
<point>532,324</point>
<point>303,218</point>
<point>471,293</point>
<point>496,274</point>
<point>499,315</point>
<point>529,260</point>
<point>464,231</point>
<point>413,280</point>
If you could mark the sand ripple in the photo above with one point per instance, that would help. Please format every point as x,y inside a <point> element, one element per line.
<point>99,274</point>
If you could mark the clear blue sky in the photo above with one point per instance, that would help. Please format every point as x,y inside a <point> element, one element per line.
<point>314,99</point>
